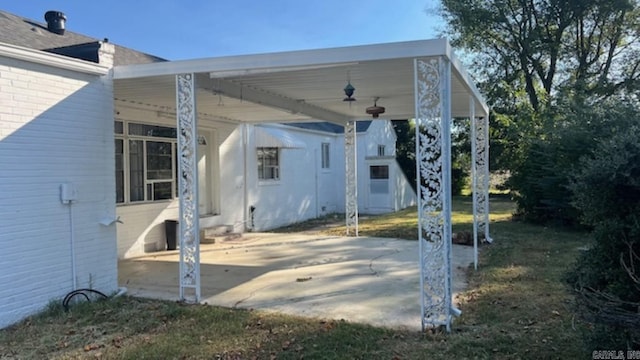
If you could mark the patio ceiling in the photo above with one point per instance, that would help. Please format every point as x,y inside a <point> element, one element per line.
<point>299,85</point>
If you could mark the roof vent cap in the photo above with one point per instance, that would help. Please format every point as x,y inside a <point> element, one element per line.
<point>55,21</point>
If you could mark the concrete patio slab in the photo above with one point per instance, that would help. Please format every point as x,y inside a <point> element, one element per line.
<point>368,280</point>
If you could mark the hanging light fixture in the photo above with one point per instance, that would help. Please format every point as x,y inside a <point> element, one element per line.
<point>375,110</point>
<point>349,90</point>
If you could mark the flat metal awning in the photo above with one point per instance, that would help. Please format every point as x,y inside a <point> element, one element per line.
<point>299,86</point>
<point>278,138</point>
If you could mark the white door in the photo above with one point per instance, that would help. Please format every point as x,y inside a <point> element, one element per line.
<point>379,187</point>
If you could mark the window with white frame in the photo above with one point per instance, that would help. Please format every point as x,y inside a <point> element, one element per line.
<point>381,150</point>
<point>325,156</point>
<point>268,163</point>
<point>146,162</point>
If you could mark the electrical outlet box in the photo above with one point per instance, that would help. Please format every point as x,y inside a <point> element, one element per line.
<point>68,193</point>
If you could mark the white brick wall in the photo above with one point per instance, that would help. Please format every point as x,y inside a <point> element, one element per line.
<point>56,126</point>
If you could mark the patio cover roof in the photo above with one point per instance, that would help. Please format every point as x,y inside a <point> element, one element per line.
<point>299,85</point>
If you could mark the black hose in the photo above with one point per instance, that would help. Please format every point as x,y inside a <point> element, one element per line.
<point>83,292</point>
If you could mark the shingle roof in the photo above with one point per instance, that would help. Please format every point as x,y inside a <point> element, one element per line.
<point>16,30</point>
<point>361,126</point>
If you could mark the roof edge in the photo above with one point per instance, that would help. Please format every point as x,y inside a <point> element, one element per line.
<point>50,59</point>
<point>288,59</point>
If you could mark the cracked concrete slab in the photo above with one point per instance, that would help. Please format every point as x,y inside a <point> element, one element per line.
<point>368,280</point>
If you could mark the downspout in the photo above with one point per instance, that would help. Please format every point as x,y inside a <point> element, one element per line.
<point>68,196</point>
<point>72,241</point>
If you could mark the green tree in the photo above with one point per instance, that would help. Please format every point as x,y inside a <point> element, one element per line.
<point>526,52</point>
<point>606,278</point>
<point>406,148</point>
<point>460,152</point>
<point>544,65</point>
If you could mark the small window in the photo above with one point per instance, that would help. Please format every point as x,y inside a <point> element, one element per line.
<point>268,163</point>
<point>379,172</point>
<point>379,175</point>
<point>325,156</point>
<point>119,171</point>
<point>152,130</point>
<point>381,150</point>
<point>118,127</point>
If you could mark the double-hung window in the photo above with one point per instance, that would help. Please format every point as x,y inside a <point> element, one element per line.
<point>145,163</point>
<point>268,163</point>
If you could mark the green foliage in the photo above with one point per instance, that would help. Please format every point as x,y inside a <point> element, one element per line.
<point>606,190</point>
<point>460,153</point>
<point>547,162</point>
<point>531,57</point>
<point>406,149</point>
<point>528,51</point>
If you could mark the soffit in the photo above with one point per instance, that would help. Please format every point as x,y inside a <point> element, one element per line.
<point>276,91</point>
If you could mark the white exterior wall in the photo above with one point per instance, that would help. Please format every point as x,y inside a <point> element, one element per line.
<point>56,126</point>
<point>304,190</point>
<point>401,194</point>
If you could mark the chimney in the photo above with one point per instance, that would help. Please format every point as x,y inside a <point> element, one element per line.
<point>55,21</point>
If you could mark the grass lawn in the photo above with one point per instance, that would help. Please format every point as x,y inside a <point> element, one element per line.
<point>516,307</point>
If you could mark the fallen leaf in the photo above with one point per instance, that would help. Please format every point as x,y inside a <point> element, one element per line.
<point>91,347</point>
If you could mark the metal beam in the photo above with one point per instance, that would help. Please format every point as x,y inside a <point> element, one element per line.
<point>267,98</point>
<point>188,188</point>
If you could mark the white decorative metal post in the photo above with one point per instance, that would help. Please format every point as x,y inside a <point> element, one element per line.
<point>188,188</point>
<point>351,181</point>
<point>474,177</point>
<point>480,175</point>
<point>433,163</point>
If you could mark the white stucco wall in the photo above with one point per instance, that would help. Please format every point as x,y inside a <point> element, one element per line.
<point>401,195</point>
<point>305,190</point>
<point>56,126</point>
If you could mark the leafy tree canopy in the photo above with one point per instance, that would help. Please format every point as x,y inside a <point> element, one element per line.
<point>528,52</point>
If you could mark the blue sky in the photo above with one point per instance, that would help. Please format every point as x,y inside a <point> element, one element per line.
<point>201,28</point>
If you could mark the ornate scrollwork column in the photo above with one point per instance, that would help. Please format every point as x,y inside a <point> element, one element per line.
<point>433,162</point>
<point>480,135</point>
<point>351,181</point>
<point>188,188</point>
<point>474,176</point>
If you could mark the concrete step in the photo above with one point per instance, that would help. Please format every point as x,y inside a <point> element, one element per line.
<point>216,233</point>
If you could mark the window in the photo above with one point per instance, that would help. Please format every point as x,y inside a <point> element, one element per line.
<point>379,172</point>
<point>380,150</point>
<point>146,163</point>
<point>119,171</point>
<point>379,176</point>
<point>268,163</point>
<point>325,156</point>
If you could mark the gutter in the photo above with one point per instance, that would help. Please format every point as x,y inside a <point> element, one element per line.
<point>50,59</point>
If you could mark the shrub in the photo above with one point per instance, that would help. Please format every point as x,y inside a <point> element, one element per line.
<point>606,191</point>
<point>541,176</point>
